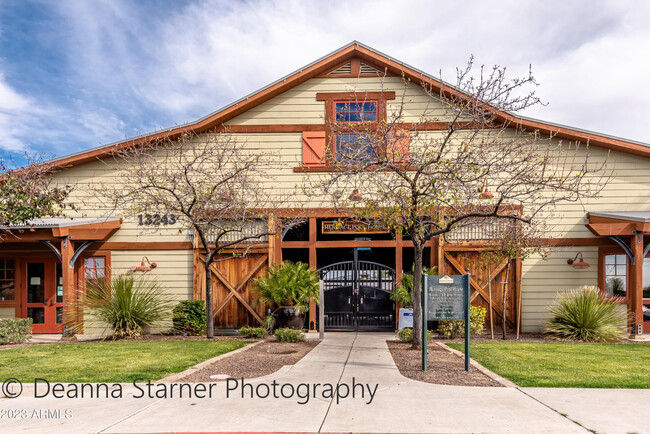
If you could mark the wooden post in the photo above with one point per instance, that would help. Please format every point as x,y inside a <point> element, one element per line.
<point>70,308</point>
<point>518,293</point>
<point>490,300</point>
<point>636,282</point>
<point>312,264</point>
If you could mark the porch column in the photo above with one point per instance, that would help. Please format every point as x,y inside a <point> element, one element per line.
<point>312,264</point>
<point>69,296</point>
<point>636,282</point>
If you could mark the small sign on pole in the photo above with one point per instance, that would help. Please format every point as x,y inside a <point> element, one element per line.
<point>321,310</point>
<point>445,298</point>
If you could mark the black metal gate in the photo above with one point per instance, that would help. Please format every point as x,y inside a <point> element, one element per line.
<point>357,296</point>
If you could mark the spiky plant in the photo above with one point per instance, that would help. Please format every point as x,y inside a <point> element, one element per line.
<point>585,314</point>
<point>127,304</point>
<point>291,284</point>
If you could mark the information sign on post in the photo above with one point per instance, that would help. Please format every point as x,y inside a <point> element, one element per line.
<point>445,298</point>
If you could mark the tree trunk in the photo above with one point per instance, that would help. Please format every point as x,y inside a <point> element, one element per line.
<point>209,328</point>
<point>417,294</point>
<point>505,297</point>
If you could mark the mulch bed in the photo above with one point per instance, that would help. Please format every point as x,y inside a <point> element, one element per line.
<point>444,367</point>
<point>257,361</point>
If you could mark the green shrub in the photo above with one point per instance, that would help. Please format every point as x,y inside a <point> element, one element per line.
<point>269,323</point>
<point>15,330</point>
<point>252,332</point>
<point>126,304</point>
<point>289,335</point>
<point>291,284</point>
<point>406,335</point>
<point>585,314</point>
<point>455,329</point>
<point>189,317</point>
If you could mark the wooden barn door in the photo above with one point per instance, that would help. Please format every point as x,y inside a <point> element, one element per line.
<point>455,262</point>
<point>234,300</point>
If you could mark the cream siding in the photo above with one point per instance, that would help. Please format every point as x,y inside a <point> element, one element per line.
<point>541,280</point>
<point>7,312</point>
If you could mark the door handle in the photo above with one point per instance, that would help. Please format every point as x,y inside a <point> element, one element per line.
<point>349,300</point>
<point>361,300</point>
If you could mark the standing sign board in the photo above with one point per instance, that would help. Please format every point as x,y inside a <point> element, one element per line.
<point>445,298</point>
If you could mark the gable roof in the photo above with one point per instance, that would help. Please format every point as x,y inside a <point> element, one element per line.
<point>327,63</point>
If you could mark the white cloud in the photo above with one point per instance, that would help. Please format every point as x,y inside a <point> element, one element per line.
<point>133,67</point>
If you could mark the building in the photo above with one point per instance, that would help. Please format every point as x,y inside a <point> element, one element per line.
<point>45,263</point>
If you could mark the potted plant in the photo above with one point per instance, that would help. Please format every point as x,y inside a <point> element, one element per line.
<point>290,286</point>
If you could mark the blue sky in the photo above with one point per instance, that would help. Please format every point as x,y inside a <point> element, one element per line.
<point>79,74</point>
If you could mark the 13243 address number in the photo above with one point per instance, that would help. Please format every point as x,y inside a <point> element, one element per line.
<point>156,219</point>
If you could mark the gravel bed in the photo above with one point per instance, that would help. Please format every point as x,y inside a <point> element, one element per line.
<point>444,367</point>
<point>258,361</point>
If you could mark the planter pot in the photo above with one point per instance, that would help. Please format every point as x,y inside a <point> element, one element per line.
<point>289,318</point>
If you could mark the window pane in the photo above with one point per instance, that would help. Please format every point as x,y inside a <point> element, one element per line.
<point>616,287</point>
<point>35,282</point>
<point>37,314</point>
<point>610,270</point>
<point>99,262</point>
<point>621,259</point>
<point>7,290</point>
<point>353,147</point>
<point>620,270</point>
<point>610,259</point>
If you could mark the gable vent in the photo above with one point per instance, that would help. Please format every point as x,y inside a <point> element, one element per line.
<point>367,69</point>
<point>343,70</point>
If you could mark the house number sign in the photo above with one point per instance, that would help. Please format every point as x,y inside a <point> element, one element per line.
<point>156,219</point>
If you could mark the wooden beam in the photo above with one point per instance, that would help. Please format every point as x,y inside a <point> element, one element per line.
<point>636,281</point>
<point>70,313</point>
<point>312,264</point>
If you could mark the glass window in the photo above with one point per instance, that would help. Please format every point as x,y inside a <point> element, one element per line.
<point>646,278</point>
<point>95,268</point>
<point>356,111</point>
<point>7,279</point>
<point>616,275</point>
<point>353,147</point>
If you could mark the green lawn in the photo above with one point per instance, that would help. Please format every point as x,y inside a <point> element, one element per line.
<point>551,364</point>
<point>108,361</point>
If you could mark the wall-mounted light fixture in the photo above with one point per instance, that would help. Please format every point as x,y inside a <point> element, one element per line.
<point>143,267</point>
<point>355,196</point>
<point>580,263</point>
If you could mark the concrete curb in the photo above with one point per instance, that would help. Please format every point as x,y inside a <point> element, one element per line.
<point>179,376</point>
<point>477,365</point>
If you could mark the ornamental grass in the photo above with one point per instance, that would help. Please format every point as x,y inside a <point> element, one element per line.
<point>586,315</point>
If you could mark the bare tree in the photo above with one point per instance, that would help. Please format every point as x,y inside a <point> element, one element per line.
<point>455,161</point>
<point>28,191</point>
<point>210,183</point>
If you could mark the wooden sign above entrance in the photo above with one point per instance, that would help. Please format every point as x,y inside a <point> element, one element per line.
<point>351,227</point>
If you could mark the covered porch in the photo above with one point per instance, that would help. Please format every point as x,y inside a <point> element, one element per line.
<point>626,274</point>
<point>41,268</point>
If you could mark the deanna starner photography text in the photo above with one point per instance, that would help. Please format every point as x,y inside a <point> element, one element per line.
<point>301,393</point>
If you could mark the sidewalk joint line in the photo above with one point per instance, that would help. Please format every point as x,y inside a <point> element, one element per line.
<point>320,428</point>
<point>566,416</point>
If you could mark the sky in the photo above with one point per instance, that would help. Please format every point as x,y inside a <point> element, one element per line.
<point>79,74</point>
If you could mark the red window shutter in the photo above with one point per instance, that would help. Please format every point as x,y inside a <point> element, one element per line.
<point>313,148</point>
<point>399,148</point>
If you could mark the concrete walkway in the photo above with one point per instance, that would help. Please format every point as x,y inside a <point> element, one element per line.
<point>384,401</point>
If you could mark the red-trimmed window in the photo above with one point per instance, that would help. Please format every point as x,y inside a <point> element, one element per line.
<point>616,275</point>
<point>94,268</point>
<point>7,280</point>
<point>354,145</point>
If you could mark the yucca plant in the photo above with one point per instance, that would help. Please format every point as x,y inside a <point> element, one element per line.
<point>289,284</point>
<point>126,304</point>
<point>585,314</point>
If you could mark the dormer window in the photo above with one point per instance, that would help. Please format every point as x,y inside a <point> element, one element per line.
<point>352,111</point>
